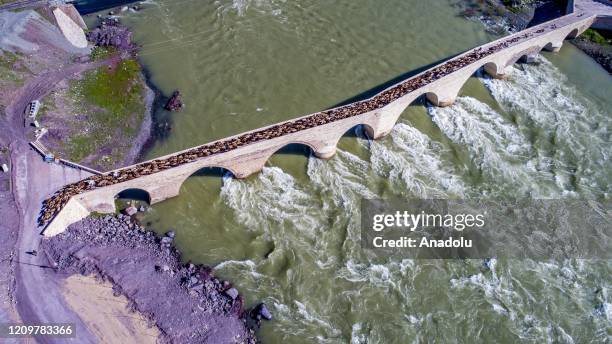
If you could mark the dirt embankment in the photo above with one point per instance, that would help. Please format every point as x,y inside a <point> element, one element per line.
<point>186,302</point>
<point>89,116</point>
<point>93,118</point>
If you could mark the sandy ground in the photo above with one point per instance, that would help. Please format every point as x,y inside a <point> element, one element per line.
<point>105,314</point>
<point>185,301</point>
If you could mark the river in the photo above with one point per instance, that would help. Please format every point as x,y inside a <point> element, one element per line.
<point>289,236</point>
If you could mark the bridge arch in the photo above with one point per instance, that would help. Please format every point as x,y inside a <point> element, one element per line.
<point>368,131</point>
<point>205,171</point>
<point>294,147</point>
<point>134,194</point>
<point>495,69</point>
<point>573,34</point>
<point>445,95</point>
<point>553,46</point>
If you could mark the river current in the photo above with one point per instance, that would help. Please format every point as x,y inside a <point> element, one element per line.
<point>289,236</point>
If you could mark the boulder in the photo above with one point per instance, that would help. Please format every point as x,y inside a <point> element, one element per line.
<point>261,312</point>
<point>131,210</point>
<point>232,293</point>
<point>174,103</point>
<point>166,240</point>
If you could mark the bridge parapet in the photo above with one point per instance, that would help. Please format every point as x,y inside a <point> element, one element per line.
<point>247,153</point>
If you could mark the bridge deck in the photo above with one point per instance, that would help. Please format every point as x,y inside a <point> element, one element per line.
<point>440,83</point>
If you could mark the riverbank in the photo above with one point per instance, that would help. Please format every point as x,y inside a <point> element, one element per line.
<point>186,302</point>
<point>82,94</point>
<point>518,15</point>
<point>596,46</point>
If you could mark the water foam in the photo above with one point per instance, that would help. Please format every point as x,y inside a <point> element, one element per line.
<point>496,147</point>
<point>413,161</point>
<point>575,127</point>
<point>272,198</point>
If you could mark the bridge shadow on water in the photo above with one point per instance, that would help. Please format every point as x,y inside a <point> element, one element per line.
<point>295,149</point>
<point>135,194</point>
<point>211,172</point>
<point>381,87</point>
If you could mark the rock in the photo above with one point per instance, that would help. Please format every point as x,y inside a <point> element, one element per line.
<point>124,8</point>
<point>110,33</point>
<point>199,287</point>
<point>131,210</point>
<point>170,234</point>
<point>166,240</point>
<point>261,312</point>
<point>232,292</point>
<point>174,103</point>
<point>141,209</point>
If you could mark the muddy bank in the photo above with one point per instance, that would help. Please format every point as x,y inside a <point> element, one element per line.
<point>186,302</point>
<point>140,144</point>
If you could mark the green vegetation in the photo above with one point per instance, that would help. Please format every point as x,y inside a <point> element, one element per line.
<point>8,69</point>
<point>101,53</point>
<point>596,37</point>
<point>113,101</point>
<point>517,6</point>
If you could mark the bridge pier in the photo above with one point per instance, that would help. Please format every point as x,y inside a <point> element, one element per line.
<point>164,192</point>
<point>444,95</point>
<point>553,46</point>
<point>496,70</point>
<point>383,120</point>
<point>244,169</point>
<point>529,58</point>
<point>326,152</point>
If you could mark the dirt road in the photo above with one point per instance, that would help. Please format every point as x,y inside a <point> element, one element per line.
<point>37,291</point>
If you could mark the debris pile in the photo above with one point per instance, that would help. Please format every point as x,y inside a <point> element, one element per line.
<point>53,205</point>
<point>111,34</point>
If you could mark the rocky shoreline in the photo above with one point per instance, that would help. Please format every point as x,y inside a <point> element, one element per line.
<point>600,53</point>
<point>530,15</point>
<point>185,301</point>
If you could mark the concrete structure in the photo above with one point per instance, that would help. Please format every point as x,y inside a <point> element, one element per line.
<point>65,17</point>
<point>244,160</point>
<point>602,8</point>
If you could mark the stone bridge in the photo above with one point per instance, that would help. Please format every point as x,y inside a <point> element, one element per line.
<point>247,153</point>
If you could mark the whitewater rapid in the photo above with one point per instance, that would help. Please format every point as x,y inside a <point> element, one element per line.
<point>314,223</point>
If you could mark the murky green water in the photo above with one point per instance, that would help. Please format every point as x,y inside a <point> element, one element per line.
<point>290,237</point>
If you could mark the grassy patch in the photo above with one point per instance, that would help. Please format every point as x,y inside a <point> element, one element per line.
<point>596,37</point>
<point>80,147</point>
<point>8,70</point>
<point>113,105</point>
<point>47,104</point>
<point>101,53</point>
